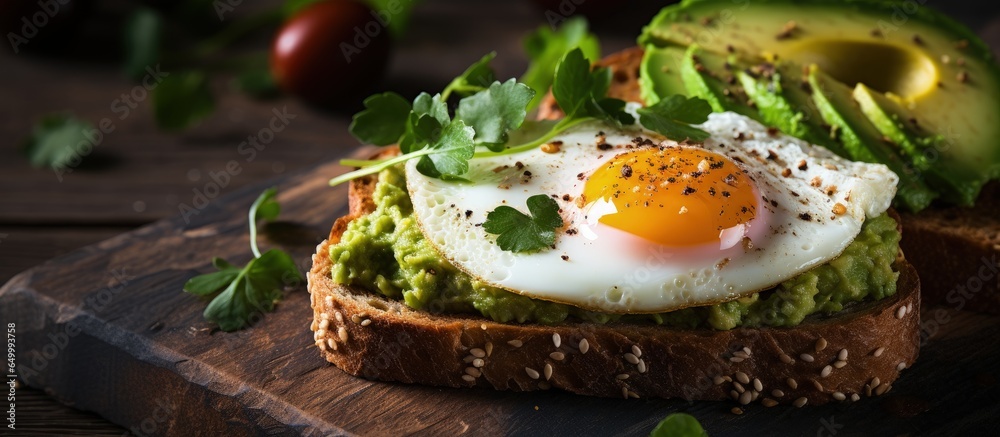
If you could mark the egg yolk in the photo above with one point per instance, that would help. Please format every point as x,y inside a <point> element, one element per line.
<point>674,196</point>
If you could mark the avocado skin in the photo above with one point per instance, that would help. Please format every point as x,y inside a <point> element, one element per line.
<point>862,140</point>
<point>957,185</point>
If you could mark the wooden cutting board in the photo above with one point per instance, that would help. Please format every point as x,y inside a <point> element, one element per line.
<point>108,329</point>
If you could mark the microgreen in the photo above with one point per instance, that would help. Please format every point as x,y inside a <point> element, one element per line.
<point>520,232</point>
<point>56,140</point>
<point>679,425</point>
<point>254,288</point>
<point>671,117</point>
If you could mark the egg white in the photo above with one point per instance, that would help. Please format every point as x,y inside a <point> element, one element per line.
<point>604,269</point>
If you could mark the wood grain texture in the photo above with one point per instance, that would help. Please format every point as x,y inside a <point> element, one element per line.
<point>144,356</point>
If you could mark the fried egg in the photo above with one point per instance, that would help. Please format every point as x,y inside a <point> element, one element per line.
<point>651,225</point>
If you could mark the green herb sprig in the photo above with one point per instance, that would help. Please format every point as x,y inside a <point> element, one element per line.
<point>520,232</point>
<point>253,288</point>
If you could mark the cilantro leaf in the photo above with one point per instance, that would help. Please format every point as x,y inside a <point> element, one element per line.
<point>679,425</point>
<point>266,208</point>
<point>57,140</point>
<point>546,47</point>
<point>671,117</point>
<point>253,288</point>
<point>448,158</point>
<point>494,112</point>
<point>519,232</point>
<point>143,30</point>
<point>382,121</point>
<point>182,99</point>
<point>476,78</point>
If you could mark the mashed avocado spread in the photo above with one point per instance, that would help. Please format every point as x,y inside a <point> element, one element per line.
<point>386,252</point>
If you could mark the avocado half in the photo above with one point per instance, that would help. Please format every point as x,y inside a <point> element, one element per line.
<point>917,91</point>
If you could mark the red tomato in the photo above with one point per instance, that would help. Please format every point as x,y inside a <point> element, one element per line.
<point>331,53</point>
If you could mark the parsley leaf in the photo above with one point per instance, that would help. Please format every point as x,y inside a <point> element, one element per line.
<point>581,92</point>
<point>519,232</point>
<point>546,47</point>
<point>671,116</point>
<point>679,425</point>
<point>382,121</point>
<point>494,112</point>
<point>476,78</point>
<point>143,30</point>
<point>253,288</point>
<point>449,156</point>
<point>57,140</point>
<point>182,99</point>
<point>433,106</point>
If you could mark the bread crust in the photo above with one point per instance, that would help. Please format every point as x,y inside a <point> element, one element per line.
<point>955,249</point>
<point>368,335</point>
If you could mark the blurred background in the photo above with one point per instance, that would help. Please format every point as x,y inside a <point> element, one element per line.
<point>157,98</point>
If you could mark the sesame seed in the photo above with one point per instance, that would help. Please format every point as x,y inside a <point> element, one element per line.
<point>746,349</point>
<point>366,322</point>
<point>875,382</point>
<point>532,373</point>
<point>584,346</point>
<point>800,402</point>
<point>739,387</point>
<point>736,359</point>
<point>818,385</point>
<point>868,390</point>
<point>882,389</point>
<point>323,324</point>
<point>633,395</point>
<point>631,358</point>
<point>900,312</point>
<point>477,352</point>
<point>727,378</point>
<point>757,385</point>
<point>807,358</point>
<point>622,376</point>
<point>340,317</point>
<point>636,351</point>
<point>544,385</point>
<point>777,393</point>
<point>753,395</point>
<point>556,339</point>
<point>489,348</point>
<point>332,344</point>
<point>355,318</point>
<point>842,355</point>
<point>745,398</point>
<point>478,362</point>
<point>547,370</point>
<point>321,345</point>
<point>736,410</point>
<point>786,359</point>
<point>718,380</point>
<point>878,352</point>
<point>901,365</point>
<point>742,378</point>
<point>319,334</point>
<point>473,372</point>
<point>342,333</point>
<point>741,354</point>
<point>625,392</point>
<point>469,359</point>
<point>838,364</point>
<point>826,371</point>
<point>328,301</point>
<point>468,378</point>
<point>768,402</point>
<point>855,397</point>
<point>482,326</point>
<point>734,394</point>
<point>791,383</point>
<point>820,344</point>
<point>839,396</point>
<point>515,343</point>
<point>558,356</point>
<point>641,365</point>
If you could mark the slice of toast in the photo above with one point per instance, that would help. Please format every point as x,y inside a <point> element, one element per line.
<point>859,351</point>
<point>956,250</point>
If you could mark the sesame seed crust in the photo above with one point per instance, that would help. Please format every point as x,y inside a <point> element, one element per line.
<point>434,349</point>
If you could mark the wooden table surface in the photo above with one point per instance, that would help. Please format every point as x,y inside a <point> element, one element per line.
<point>138,174</point>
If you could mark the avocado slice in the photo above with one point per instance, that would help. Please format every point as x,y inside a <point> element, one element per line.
<point>942,73</point>
<point>958,185</point>
<point>660,74</point>
<point>860,138</point>
<point>712,77</point>
<point>785,102</point>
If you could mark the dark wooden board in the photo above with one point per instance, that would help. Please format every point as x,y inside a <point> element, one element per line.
<point>145,359</point>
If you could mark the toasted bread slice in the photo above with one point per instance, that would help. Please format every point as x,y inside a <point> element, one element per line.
<point>859,351</point>
<point>956,250</point>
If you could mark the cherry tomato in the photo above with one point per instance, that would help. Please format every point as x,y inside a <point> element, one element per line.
<point>331,53</point>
